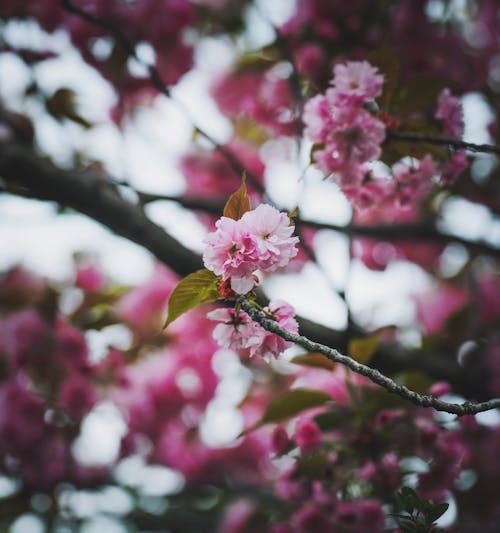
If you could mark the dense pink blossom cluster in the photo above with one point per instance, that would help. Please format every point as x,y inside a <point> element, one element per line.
<point>239,332</point>
<point>346,134</point>
<point>260,240</point>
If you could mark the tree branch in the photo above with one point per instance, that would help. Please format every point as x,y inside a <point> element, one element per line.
<point>392,135</point>
<point>466,408</point>
<point>97,197</point>
<point>93,195</point>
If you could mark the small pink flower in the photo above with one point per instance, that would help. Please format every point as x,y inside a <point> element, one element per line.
<point>272,345</point>
<point>451,113</point>
<point>236,331</point>
<point>307,435</point>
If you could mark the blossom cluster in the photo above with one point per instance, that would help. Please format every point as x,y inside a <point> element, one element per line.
<point>238,331</point>
<point>347,135</point>
<point>260,240</point>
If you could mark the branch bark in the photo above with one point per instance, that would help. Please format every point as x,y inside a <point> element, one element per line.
<point>422,400</point>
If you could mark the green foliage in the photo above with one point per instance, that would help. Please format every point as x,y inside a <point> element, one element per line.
<point>199,287</point>
<point>292,403</point>
<point>416,515</point>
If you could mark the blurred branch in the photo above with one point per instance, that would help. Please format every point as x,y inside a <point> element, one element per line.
<point>93,195</point>
<point>446,141</point>
<point>422,400</point>
<point>391,232</point>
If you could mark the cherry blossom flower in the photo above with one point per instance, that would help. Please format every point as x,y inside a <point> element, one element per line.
<point>232,252</point>
<point>260,240</point>
<point>358,79</point>
<point>451,113</point>
<point>273,234</point>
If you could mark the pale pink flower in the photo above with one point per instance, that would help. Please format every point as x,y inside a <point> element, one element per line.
<point>358,79</point>
<point>236,331</point>
<point>231,252</point>
<point>272,345</point>
<point>239,332</point>
<point>273,234</point>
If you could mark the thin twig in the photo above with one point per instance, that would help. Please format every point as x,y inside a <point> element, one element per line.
<point>422,400</point>
<point>392,135</point>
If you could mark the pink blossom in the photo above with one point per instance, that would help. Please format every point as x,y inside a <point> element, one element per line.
<point>280,441</point>
<point>272,345</point>
<point>358,79</point>
<point>452,169</point>
<point>434,307</point>
<point>239,332</point>
<point>273,234</point>
<point>89,277</point>
<point>236,330</point>
<point>451,113</point>
<point>440,388</point>
<point>231,252</point>
<point>307,435</point>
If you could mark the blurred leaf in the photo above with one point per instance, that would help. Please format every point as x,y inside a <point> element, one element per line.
<point>250,131</point>
<point>418,96</point>
<point>416,381</point>
<point>386,61</point>
<point>314,360</point>
<point>238,203</point>
<point>312,465</point>
<point>332,419</point>
<point>437,511</point>
<point>197,288</point>
<point>362,350</point>
<point>62,105</point>
<point>292,403</point>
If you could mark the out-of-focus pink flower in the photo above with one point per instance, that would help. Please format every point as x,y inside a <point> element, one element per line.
<point>236,517</point>
<point>435,307</point>
<point>358,80</point>
<point>450,112</point>
<point>143,307</point>
<point>312,519</point>
<point>307,435</point>
<point>280,441</point>
<point>89,278</point>
<point>452,169</point>
<point>77,396</point>
<point>440,388</point>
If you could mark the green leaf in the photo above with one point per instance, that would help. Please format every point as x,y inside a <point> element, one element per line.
<point>197,288</point>
<point>437,511</point>
<point>314,360</point>
<point>362,350</point>
<point>238,203</point>
<point>312,465</point>
<point>292,403</point>
<point>418,96</point>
